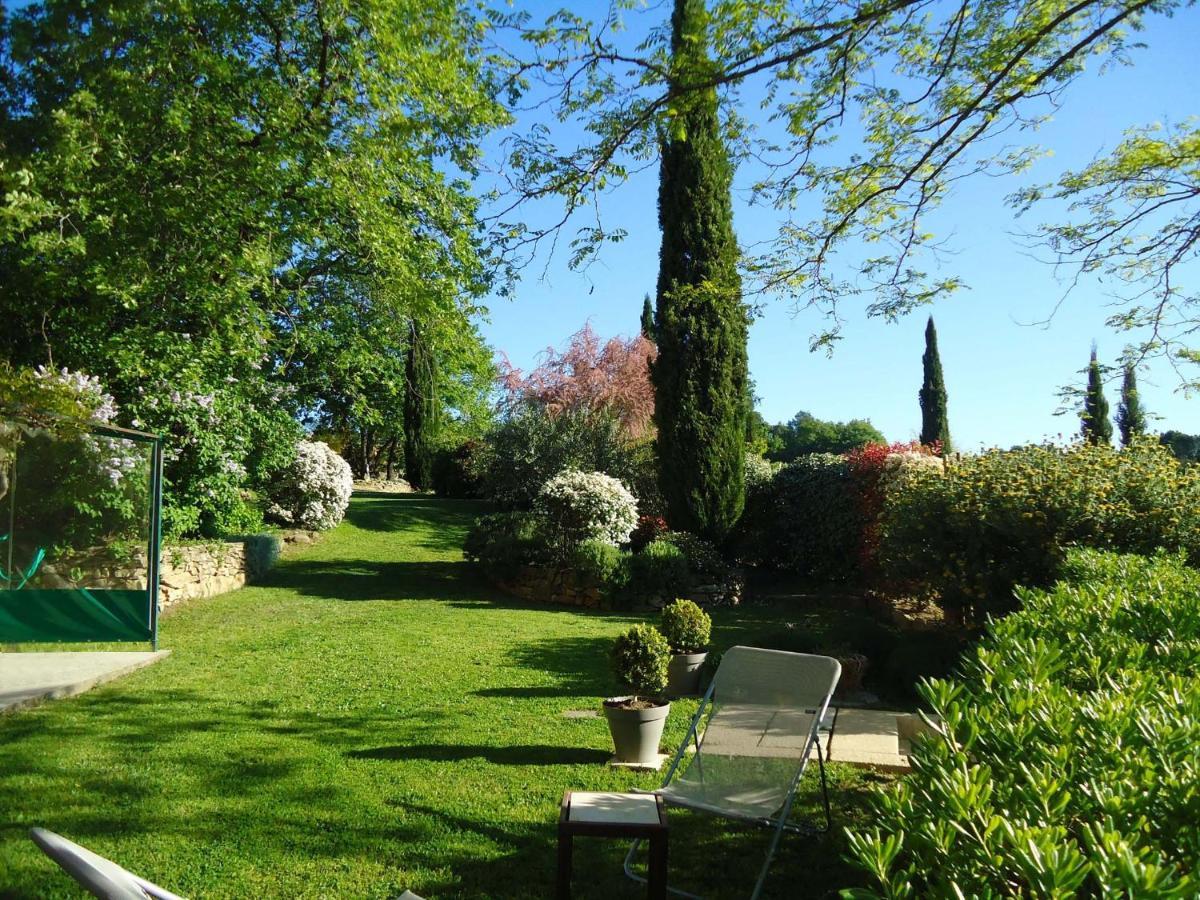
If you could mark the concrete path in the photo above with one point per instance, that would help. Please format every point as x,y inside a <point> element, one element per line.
<point>29,678</point>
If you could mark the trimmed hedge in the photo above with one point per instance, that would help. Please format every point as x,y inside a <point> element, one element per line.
<point>1069,764</point>
<point>1008,517</point>
<point>805,519</point>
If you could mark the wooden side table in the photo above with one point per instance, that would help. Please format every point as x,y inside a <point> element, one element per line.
<point>632,816</point>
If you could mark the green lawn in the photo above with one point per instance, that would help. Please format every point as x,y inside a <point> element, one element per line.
<point>373,718</point>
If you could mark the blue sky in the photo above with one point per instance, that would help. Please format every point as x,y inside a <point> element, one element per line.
<point>1002,371</point>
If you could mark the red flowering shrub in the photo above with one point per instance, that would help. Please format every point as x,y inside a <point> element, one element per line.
<point>648,530</point>
<point>868,469</point>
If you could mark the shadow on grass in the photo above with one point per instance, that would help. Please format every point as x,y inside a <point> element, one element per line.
<point>515,755</point>
<point>442,523</point>
<point>364,579</point>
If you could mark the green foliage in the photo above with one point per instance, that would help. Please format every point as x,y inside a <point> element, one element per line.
<point>1131,415</point>
<point>1066,756</point>
<point>246,196</point>
<point>639,660</point>
<point>806,434</point>
<point>935,420</point>
<point>918,655</point>
<point>456,470</point>
<point>687,628</point>
<point>1134,222</point>
<point>1008,517</point>
<point>420,408</point>
<point>503,542</point>
<point>703,558</point>
<point>648,329</point>
<point>700,376</point>
<point>807,519</point>
<point>1095,426</point>
<point>531,446</point>
<point>658,568</point>
<point>1186,447</point>
<point>600,561</point>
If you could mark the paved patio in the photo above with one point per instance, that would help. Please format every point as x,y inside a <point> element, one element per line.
<point>27,679</point>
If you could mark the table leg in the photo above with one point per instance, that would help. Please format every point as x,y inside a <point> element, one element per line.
<point>656,877</point>
<point>564,865</point>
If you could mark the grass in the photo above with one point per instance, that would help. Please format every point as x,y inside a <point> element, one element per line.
<point>373,717</point>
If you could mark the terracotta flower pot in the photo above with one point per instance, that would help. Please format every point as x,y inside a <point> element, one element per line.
<point>854,669</point>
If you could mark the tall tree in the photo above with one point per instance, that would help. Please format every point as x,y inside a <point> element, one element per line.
<point>700,376</point>
<point>420,408</point>
<point>647,319</point>
<point>805,433</point>
<point>1131,415</point>
<point>1096,427</point>
<point>589,376</point>
<point>207,199</point>
<point>935,420</point>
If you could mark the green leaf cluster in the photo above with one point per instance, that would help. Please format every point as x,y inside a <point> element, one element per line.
<point>986,523</point>
<point>1063,761</point>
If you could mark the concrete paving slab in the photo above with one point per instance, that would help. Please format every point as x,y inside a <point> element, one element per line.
<point>873,738</point>
<point>27,679</point>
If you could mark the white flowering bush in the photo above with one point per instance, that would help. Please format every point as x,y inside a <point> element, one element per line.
<point>314,491</point>
<point>586,506</point>
<point>901,467</point>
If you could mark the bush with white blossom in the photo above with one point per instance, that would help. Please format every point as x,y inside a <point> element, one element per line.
<point>314,491</point>
<point>584,506</point>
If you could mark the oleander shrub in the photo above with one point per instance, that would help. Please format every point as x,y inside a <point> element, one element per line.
<point>584,506</point>
<point>659,568</point>
<point>1067,764</point>
<point>1008,517</point>
<point>687,628</point>
<point>314,491</point>
<point>639,660</point>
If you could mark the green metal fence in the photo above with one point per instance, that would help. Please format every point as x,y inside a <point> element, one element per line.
<point>80,533</point>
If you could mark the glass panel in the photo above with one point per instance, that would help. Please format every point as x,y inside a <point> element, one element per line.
<point>75,536</point>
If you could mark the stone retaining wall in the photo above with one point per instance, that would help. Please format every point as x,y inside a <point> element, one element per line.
<point>187,571</point>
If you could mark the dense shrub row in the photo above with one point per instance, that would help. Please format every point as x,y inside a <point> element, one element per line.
<point>1069,764</point>
<point>530,446</point>
<point>672,564</point>
<point>1003,518</point>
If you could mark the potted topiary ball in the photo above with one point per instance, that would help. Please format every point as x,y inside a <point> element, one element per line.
<point>687,629</point>
<point>639,659</point>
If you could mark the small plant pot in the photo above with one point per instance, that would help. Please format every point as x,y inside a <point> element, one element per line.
<point>854,669</point>
<point>636,733</point>
<point>683,674</point>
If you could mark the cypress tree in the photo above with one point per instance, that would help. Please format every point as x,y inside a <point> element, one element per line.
<point>935,420</point>
<point>1096,427</point>
<point>420,408</point>
<point>1131,415</point>
<point>648,319</point>
<point>700,376</point>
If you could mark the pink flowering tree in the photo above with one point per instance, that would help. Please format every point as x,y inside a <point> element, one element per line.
<point>588,375</point>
